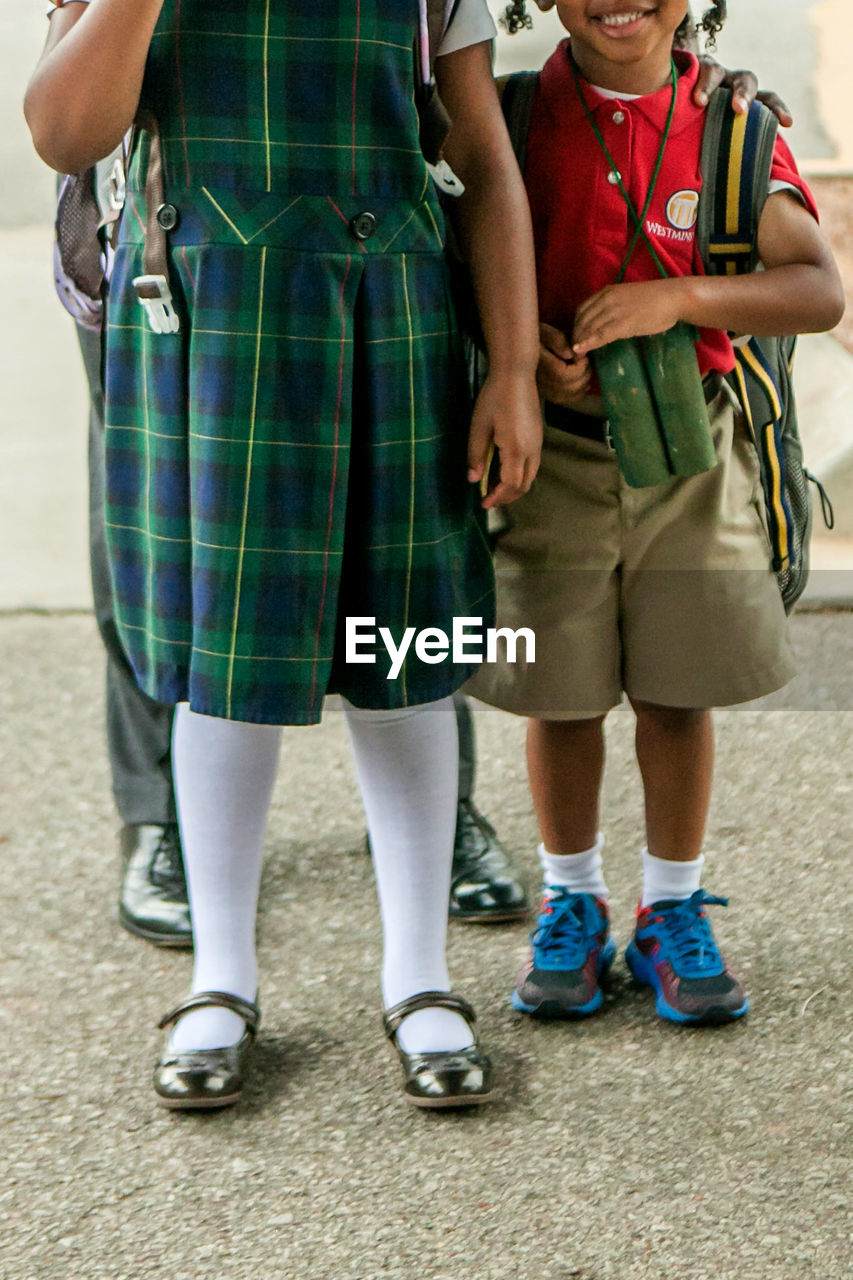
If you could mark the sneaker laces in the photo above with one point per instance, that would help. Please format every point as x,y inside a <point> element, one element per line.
<point>567,927</point>
<point>690,941</point>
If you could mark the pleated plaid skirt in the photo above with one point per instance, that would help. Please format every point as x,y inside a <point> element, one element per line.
<point>295,454</point>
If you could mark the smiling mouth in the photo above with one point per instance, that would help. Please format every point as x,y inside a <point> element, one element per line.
<point>621,19</point>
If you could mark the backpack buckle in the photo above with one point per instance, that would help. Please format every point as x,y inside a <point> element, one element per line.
<point>445,179</point>
<point>118,185</point>
<point>155,296</point>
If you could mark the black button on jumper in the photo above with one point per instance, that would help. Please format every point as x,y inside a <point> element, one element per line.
<point>168,217</point>
<point>363,226</point>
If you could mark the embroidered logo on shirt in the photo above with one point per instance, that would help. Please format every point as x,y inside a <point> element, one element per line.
<point>682,210</point>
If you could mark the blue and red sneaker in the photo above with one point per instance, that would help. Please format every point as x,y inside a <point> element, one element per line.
<point>571,949</point>
<point>673,950</point>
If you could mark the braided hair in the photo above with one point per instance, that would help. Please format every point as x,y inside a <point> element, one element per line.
<point>515,18</point>
<point>711,22</point>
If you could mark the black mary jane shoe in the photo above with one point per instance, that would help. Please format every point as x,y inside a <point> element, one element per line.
<point>458,1078</point>
<point>203,1079</point>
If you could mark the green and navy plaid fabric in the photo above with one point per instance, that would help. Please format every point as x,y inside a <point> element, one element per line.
<point>302,97</point>
<point>295,453</point>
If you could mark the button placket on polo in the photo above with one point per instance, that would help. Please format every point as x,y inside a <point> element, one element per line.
<point>618,134</point>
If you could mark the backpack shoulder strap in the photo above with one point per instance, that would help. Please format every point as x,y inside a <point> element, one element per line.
<point>516,93</point>
<point>439,15</point>
<point>435,18</point>
<point>737,154</point>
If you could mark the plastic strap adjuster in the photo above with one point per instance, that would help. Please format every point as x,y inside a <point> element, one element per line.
<point>118,185</point>
<point>445,179</point>
<point>156,297</point>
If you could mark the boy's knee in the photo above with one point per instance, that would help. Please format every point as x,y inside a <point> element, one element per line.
<point>668,719</point>
<point>564,727</point>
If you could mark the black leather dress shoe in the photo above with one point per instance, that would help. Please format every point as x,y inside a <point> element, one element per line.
<point>484,885</point>
<point>206,1078</point>
<point>459,1078</point>
<point>153,896</point>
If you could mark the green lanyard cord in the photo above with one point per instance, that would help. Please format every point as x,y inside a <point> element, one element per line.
<point>639,219</point>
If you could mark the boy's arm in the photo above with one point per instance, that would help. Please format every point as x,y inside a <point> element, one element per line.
<point>83,95</point>
<point>493,222</point>
<point>799,291</point>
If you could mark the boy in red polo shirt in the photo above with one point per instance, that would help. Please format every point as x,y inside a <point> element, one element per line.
<point>664,592</point>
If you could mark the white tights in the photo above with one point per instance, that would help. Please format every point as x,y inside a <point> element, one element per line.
<point>406,766</point>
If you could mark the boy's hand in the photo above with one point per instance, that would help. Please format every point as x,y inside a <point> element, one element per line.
<point>506,418</point>
<point>627,311</point>
<point>562,376</point>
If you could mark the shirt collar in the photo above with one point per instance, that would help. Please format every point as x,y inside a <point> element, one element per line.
<point>558,88</point>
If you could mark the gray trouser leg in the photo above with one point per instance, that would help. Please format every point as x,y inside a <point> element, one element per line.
<point>467,748</point>
<point>139,730</point>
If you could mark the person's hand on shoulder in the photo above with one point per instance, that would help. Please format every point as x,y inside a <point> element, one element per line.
<point>744,87</point>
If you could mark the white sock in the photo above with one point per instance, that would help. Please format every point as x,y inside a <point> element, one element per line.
<point>224,773</point>
<point>406,765</point>
<point>664,880</point>
<point>577,872</point>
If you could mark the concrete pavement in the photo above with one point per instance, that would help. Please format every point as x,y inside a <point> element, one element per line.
<point>618,1149</point>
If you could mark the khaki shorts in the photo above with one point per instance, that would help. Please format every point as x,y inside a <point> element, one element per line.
<point>665,593</point>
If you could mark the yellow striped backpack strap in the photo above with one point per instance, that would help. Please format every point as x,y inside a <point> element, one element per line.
<point>737,155</point>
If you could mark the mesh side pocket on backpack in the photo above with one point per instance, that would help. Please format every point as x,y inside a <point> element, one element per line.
<point>78,259</point>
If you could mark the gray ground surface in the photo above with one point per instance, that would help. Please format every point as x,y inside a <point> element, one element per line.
<point>620,1149</point>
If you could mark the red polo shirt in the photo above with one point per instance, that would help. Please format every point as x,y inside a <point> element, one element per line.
<point>581,222</point>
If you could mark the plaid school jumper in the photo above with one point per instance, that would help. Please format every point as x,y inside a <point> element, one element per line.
<point>295,454</point>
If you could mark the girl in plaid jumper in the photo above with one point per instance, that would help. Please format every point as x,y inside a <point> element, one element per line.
<point>294,454</point>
